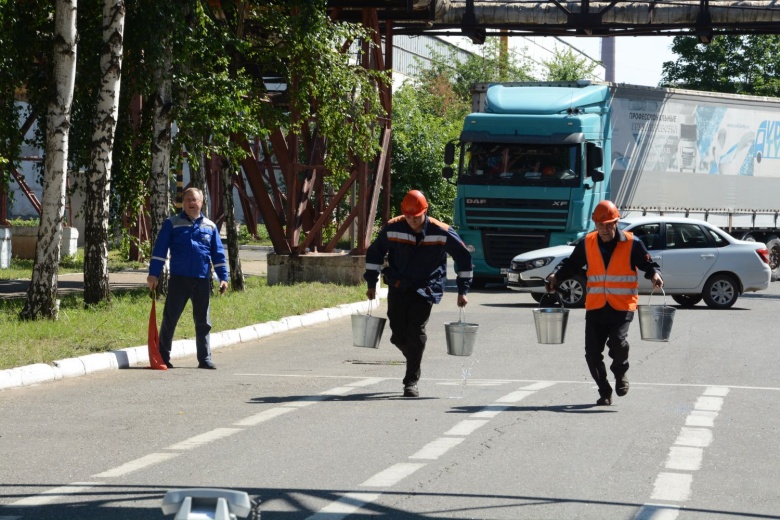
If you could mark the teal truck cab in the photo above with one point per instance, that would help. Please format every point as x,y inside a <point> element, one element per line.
<point>531,169</point>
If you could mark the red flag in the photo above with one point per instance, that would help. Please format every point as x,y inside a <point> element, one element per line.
<point>155,360</point>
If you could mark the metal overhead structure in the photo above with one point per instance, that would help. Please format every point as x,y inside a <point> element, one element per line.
<point>298,212</point>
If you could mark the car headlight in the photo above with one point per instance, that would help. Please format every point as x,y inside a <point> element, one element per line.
<point>536,263</point>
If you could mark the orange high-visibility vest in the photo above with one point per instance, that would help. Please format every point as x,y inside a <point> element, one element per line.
<point>617,284</point>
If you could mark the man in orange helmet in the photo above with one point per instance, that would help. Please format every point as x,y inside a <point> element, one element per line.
<point>416,247</point>
<point>612,257</point>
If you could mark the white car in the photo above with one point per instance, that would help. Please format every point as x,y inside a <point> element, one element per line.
<point>698,261</point>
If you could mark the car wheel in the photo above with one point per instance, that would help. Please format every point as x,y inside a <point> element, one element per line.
<point>572,291</point>
<point>773,244</point>
<point>687,300</point>
<point>721,291</point>
<point>537,296</point>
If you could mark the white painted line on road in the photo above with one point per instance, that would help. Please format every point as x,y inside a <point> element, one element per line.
<point>134,465</point>
<point>339,390</point>
<point>721,391</point>
<point>344,506</point>
<point>304,402</point>
<point>657,512</point>
<point>515,396</point>
<point>204,438</point>
<point>540,385</point>
<point>368,381</point>
<point>673,487</point>
<point>709,404</point>
<point>696,437</point>
<point>489,412</point>
<point>466,427</point>
<point>701,419</point>
<point>471,383</point>
<point>53,494</point>
<point>392,475</point>
<point>437,448</point>
<point>265,415</point>
<point>684,458</point>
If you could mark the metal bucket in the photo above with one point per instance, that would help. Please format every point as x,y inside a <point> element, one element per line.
<point>655,321</point>
<point>551,323</point>
<point>460,336</point>
<point>367,330</point>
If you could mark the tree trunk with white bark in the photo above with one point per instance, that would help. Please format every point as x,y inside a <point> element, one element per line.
<point>42,293</point>
<point>98,188</point>
<point>236,274</point>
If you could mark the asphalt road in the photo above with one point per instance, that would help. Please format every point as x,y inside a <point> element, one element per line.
<point>317,429</point>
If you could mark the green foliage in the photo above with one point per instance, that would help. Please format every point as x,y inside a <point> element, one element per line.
<point>421,128</point>
<point>732,64</point>
<point>565,66</point>
<point>122,322</point>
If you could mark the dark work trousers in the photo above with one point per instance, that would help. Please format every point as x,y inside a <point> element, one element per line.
<point>408,313</point>
<point>612,333</point>
<point>181,289</point>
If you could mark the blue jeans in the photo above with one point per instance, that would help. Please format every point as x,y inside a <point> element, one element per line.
<point>180,290</point>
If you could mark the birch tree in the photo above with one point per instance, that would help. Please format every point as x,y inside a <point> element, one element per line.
<point>236,274</point>
<point>41,296</point>
<point>98,186</point>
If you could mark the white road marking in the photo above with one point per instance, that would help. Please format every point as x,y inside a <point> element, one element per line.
<point>265,415</point>
<point>672,487</point>
<point>437,448</point>
<point>368,381</point>
<point>339,390</point>
<point>204,438</point>
<point>466,427</point>
<point>696,437</point>
<point>684,458</point>
<point>392,475</point>
<point>489,412</point>
<point>135,465</point>
<point>721,391</point>
<point>53,494</point>
<point>710,404</point>
<point>540,385</point>
<point>657,512</point>
<point>515,396</point>
<point>701,419</point>
<point>344,506</point>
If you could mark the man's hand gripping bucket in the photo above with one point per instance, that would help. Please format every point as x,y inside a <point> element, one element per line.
<point>551,322</point>
<point>655,321</point>
<point>367,329</point>
<point>460,336</point>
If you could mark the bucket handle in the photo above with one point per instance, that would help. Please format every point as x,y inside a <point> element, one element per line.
<point>653,292</point>
<point>461,315</point>
<point>560,300</point>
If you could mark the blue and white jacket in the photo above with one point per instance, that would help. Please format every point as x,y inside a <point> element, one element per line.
<point>194,244</point>
<point>418,261</point>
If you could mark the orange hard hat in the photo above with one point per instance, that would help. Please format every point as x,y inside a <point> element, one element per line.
<point>414,204</point>
<point>605,211</point>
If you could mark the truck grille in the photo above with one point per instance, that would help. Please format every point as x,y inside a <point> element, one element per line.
<point>510,214</point>
<point>501,247</point>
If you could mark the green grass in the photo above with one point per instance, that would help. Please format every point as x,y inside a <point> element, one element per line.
<point>123,322</point>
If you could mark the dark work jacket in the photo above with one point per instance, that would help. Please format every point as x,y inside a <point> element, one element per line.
<point>418,261</point>
<point>640,259</point>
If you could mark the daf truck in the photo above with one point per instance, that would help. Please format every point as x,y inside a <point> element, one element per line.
<point>535,158</point>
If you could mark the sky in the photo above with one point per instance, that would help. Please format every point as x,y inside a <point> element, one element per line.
<point>638,59</point>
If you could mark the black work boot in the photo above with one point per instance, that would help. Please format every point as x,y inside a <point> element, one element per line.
<point>621,385</point>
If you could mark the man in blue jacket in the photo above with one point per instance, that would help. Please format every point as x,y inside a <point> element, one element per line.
<point>194,244</point>
<point>416,247</point>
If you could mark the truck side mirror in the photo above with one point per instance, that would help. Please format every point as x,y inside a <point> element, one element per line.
<point>594,156</point>
<point>447,172</point>
<point>449,154</point>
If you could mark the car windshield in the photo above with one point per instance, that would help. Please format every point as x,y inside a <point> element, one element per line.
<point>521,165</point>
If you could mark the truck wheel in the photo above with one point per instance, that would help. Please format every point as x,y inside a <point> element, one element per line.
<point>478,282</point>
<point>572,291</point>
<point>687,300</point>
<point>720,291</point>
<point>747,237</point>
<point>773,244</point>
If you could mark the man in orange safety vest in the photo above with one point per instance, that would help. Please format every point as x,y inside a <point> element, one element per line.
<point>612,257</point>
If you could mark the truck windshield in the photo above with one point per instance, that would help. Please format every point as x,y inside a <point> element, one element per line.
<point>521,165</point>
